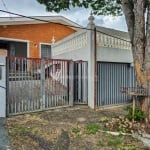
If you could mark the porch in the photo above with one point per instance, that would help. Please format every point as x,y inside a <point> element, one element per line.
<point>14,47</point>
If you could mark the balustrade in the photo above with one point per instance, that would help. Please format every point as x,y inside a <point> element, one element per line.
<point>108,41</point>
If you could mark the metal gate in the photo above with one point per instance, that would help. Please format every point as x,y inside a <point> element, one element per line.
<point>110,78</point>
<point>80,82</point>
<point>38,84</point>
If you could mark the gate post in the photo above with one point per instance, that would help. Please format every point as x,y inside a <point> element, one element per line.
<point>3,86</point>
<point>71,84</point>
<point>42,103</point>
<point>91,62</point>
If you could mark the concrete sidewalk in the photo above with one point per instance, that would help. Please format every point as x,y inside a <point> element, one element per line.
<point>4,139</point>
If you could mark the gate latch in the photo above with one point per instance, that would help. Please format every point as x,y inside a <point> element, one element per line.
<point>1,65</point>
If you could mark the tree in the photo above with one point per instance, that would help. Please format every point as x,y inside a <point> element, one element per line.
<point>137,15</point>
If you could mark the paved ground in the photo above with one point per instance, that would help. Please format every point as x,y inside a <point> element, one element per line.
<point>4,139</point>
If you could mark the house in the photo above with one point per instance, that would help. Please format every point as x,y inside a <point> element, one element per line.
<point>28,37</point>
<point>109,59</point>
<point>84,66</point>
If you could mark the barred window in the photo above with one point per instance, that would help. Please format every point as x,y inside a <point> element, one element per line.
<point>45,51</point>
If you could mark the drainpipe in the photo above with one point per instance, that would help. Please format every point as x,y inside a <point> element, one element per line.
<point>95,69</point>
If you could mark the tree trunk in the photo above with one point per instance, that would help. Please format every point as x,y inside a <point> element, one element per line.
<point>134,11</point>
<point>146,103</point>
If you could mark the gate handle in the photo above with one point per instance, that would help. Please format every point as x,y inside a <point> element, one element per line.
<point>3,87</point>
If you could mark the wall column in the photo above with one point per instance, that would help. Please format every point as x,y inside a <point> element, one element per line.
<point>91,61</point>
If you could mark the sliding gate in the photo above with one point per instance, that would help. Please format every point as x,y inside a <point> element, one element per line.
<point>111,77</point>
<point>38,84</point>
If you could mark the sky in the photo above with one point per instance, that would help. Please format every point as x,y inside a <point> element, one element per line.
<point>78,15</point>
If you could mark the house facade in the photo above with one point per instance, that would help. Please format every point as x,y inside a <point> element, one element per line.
<point>27,37</point>
<point>86,66</point>
<point>110,63</point>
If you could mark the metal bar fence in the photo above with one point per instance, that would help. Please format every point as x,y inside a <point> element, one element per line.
<point>36,84</point>
<point>80,82</point>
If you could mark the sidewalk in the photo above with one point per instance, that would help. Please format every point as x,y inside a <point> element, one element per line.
<point>4,139</point>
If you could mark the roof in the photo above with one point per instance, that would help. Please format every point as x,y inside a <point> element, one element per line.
<point>38,20</point>
<point>113,32</point>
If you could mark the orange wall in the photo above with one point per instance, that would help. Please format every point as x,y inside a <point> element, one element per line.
<point>36,33</point>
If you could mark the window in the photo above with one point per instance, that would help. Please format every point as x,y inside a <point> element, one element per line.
<point>45,51</point>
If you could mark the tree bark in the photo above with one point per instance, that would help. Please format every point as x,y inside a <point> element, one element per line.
<point>139,41</point>
<point>146,103</point>
<point>127,7</point>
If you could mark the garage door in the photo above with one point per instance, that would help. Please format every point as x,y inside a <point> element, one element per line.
<point>111,77</point>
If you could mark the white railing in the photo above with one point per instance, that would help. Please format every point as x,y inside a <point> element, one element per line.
<point>112,42</point>
<point>76,41</point>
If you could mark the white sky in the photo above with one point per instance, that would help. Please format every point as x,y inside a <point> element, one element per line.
<point>80,16</point>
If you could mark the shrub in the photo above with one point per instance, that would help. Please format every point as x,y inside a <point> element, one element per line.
<point>138,114</point>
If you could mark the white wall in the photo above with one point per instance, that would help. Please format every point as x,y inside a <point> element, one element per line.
<point>80,54</point>
<point>107,54</point>
<point>80,46</point>
<point>3,87</point>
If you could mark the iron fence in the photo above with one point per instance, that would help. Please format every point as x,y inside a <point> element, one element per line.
<point>38,84</point>
<point>80,82</point>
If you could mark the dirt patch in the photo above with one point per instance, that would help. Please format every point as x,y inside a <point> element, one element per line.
<point>77,128</point>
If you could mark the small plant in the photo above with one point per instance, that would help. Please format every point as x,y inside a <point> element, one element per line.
<point>92,128</point>
<point>100,143</point>
<point>138,114</point>
<point>76,131</point>
<point>146,148</point>
<point>26,130</point>
<point>127,147</point>
<point>114,142</point>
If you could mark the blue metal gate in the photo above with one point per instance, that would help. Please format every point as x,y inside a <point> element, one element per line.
<point>110,78</point>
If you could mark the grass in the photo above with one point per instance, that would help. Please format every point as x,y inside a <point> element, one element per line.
<point>146,148</point>
<point>20,130</point>
<point>100,143</point>
<point>92,128</point>
<point>76,131</point>
<point>114,142</point>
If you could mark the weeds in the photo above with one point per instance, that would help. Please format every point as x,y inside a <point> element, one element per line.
<point>100,144</point>
<point>92,128</point>
<point>76,131</point>
<point>114,142</point>
<point>138,114</point>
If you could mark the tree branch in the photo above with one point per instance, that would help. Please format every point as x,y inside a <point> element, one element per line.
<point>127,7</point>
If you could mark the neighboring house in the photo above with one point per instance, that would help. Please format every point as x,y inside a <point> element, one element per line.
<point>114,63</point>
<point>27,37</point>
